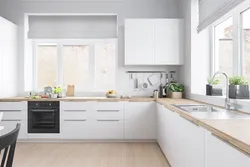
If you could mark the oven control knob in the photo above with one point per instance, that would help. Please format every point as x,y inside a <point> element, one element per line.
<point>50,104</point>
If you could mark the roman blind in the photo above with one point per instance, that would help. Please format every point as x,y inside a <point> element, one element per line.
<point>211,10</point>
<point>72,27</point>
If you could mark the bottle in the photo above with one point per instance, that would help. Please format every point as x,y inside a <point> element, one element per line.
<point>161,90</point>
<point>156,94</point>
<point>167,85</point>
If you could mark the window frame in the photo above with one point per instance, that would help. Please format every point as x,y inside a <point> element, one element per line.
<point>238,54</point>
<point>68,42</point>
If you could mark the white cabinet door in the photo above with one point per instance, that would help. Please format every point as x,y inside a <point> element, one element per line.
<point>76,129</point>
<point>191,151</point>
<point>181,141</point>
<point>11,125</point>
<point>168,42</point>
<point>219,154</point>
<point>107,129</point>
<point>172,137</point>
<point>161,127</point>
<point>139,42</point>
<point>140,120</point>
<point>76,119</point>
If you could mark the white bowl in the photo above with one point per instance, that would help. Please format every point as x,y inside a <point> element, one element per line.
<point>111,96</point>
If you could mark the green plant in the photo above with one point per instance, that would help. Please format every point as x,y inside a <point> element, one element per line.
<point>176,87</point>
<point>238,80</point>
<point>216,81</point>
<point>57,90</point>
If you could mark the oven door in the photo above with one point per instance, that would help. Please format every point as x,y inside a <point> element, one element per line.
<point>43,121</point>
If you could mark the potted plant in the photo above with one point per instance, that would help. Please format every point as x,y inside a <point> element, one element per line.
<point>211,90</point>
<point>238,88</point>
<point>176,90</point>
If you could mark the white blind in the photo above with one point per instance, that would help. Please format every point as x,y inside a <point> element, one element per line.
<point>211,10</point>
<point>72,27</point>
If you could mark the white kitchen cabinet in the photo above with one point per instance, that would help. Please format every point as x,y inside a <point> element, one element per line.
<point>168,42</point>
<point>219,153</point>
<point>109,111</point>
<point>162,128</point>
<point>14,113</point>
<point>107,129</point>
<point>140,120</point>
<point>167,133</point>
<point>191,146</point>
<point>76,119</point>
<point>153,42</point>
<point>8,58</point>
<point>139,41</point>
<point>10,125</point>
<point>76,129</point>
<point>181,141</point>
<point>92,120</point>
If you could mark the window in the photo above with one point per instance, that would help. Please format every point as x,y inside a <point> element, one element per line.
<point>224,46</point>
<point>89,65</point>
<point>76,66</point>
<point>246,44</point>
<point>104,66</point>
<point>231,49</point>
<point>46,65</point>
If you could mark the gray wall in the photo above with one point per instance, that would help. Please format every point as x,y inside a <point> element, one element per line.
<point>14,11</point>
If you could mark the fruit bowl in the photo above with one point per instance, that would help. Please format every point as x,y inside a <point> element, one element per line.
<point>111,96</point>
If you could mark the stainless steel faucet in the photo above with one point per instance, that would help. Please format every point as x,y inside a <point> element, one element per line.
<point>227,101</point>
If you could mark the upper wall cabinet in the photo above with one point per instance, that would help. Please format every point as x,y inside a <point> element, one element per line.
<point>153,42</point>
<point>139,42</point>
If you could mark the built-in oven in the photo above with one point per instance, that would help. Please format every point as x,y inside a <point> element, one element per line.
<point>43,117</point>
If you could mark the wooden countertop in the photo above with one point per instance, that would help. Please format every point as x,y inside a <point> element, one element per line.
<point>234,131</point>
<point>79,99</point>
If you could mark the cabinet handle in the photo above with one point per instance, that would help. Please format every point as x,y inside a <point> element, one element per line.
<point>108,110</point>
<point>189,121</point>
<point>72,120</point>
<point>230,144</point>
<point>10,110</point>
<point>108,120</point>
<point>11,120</point>
<point>75,110</point>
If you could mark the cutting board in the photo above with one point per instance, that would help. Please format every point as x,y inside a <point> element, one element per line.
<point>70,90</point>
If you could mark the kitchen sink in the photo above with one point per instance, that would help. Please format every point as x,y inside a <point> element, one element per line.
<point>209,112</point>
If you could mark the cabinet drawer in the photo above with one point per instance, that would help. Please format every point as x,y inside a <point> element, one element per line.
<point>76,129</point>
<point>75,115</point>
<point>109,114</point>
<point>82,106</point>
<point>111,106</point>
<point>14,115</point>
<point>107,129</point>
<point>10,106</point>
